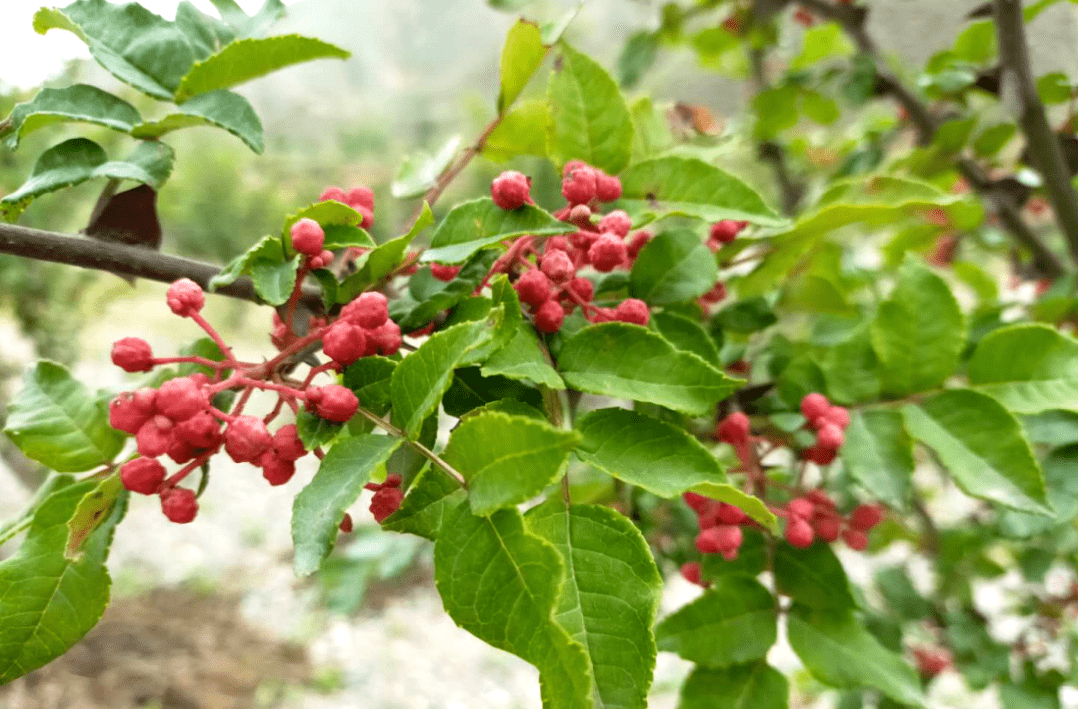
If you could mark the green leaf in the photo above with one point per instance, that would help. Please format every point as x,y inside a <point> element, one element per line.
<point>825,41</point>
<point>268,248</point>
<point>503,298</point>
<point>274,280</point>
<point>657,456</point>
<point>686,335</point>
<point>315,431</point>
<point>431,499</point>
<point>521,56</point>
<point>993,139</point>
<point>423,376</point>
<point>839,652</point>
<point>205,33</point>
<point>750,504</point>
<point>522,131</point>
<point>139,48</point>
<point>733,622</point>
<point>343,236</point>
<point>878,453</point>
<point>589,119</point>
<point>93,511</point>
<point>222,109</point>
<point>627,361</point>
<point>76,160</point>
<point>429,296</point>
<point>652,135</point>
<point>320,507</point>
<point>48,601</point>
<point>674,267</point>
<point>1054,88</point>
<point>383,260</point>
<point>812,576</point>
<point>420,170</point>
<point>1028,368</point>
<point>327,213</point>
<point>79,103</point>
<point>248,59</point>
<point>57,422</point>
<point>690,187</point>
<point>982,446</point>
<point>850,369</point>
<point>471,389</point>
<point>1061,481</point>
<point>637,56</point>
<point>919,333</point>
<point>506,459</point>
<point>271,11</point>
<point>756,686</point>
<point>977,43</point>
<point>369,378</point>
<point>752,558</point>
<point>474,225</point>
<point>901,595</point>
<point>610,596</point>
<point>522,358</point>
<point>502,584</point>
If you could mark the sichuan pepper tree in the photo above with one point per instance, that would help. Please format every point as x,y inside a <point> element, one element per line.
<point>764,400</point>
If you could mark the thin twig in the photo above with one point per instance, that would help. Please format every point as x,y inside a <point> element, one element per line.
<point>415,445</point>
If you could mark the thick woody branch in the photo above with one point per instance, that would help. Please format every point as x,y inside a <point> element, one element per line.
<point>1044,147</point>
<point>124,260</point>
<point>852,20</point>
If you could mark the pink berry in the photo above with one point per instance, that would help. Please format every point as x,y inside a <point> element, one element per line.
<point>179,505</point>
<point>510,189</point>
<point>384,339</point>
<point>697,502</point>
<point>132,354</point>
<point>579,185</point>
<point>338,403</point>
<point>726,231</point>
<point>720,539</point>
<point>322,260</point>
<point>276,470</point>
<point>392,480</point>
<point>344,342</point>
<point>333,193</point>
<point>181,451</point>
<point>583,239</point>
<point>582,288</point>
<point>835,415</point>
<point>128,411</point>
<point>607,187</point>
<point>616,222</point>
<point>201,430</point>
<point>799,533</point>
<point>814,405</point>
<point>549,317</point>
<point>185,297</point>
<point>637,242</point>
<point>801,508</point>
<point>385,502</point>
<point>369,310</point>
<point>154,437</point>
<point>181,398</point>
<point>691,573</point>
<point>557,266</point>
<point>730,514</point>
<point>286,443</point>
<point>556,243</point>
<point>633,311</point>
<point>443,272</point>
<point>830,436</point>
<point>855,539</point>
<point>360,197</point>
<point>865,517</point>
<point>142,475</point>
<point>601,315</point>
<point>308,237</point>
<point>533,288</point>
<point>827,528</point>
<point>820,498</point>
<point>734,429</point>
<point>607,253</point>
<point>246,439</point>
<point>716,294</point>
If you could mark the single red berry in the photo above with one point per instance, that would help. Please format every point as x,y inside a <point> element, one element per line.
<point>716,294</point>
<point>556,243</point>
<point>369,310</point>
<point>579,185</point>
<point>338,403</point>
<point>801,507</point>
<point>201,430</point>
<point>637,242</point>
<point>131,409</point>
<point>384,339</point>
<point>344,342</point>
<point>142,475</point>
<point>820,498</point>
<point>633,311</point>
<point>582,240</point>
<point>533,288</point>
<point>179,505</point>
<point>819,455</point>
<point>510,189</point>
<point>154,437</point>
<point>549,317</point>
<point>346,523</point>
<point>814,405</point>
<point>931,661</point>
<point>601,315</point>
<point>385,502</point>
<point>734,429</point>
<point>308,237</point>
<point>392,480</point>
<point>835,415</point>
<point>246,439</point>
<point>804,18</point>
<point>856,540</point>
<point>333,193</point>
<point>580,214</point>
<point>287,444</point>
<point>691,573</point>
<point>799,533</point>
<point>830,436</point>
<point>180,451</point>
<point>181,398</point>
<point>607,187</point>
<point>582,288</point>
<point>185,297</point>
<point>865,517</point>
<point>275,469</point>
<point>607,253</point>
<point>726,231</point>
<point>132,354</point>
<point>698,503</point>
<point>616,222</point>
<point>360,197</point>
<point>710,516</point>
<point>827,528</point>
<point>443,272</point>
<point>557,266</point>
<point>721,539</point>
<point>731,514</point>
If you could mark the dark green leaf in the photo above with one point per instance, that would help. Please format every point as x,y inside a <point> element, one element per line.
<point>522,358</point>
<point>756,686</point>
<point>878,453</point>
<point>221,108</point>
<point>431,499</point>
<point>314,430</point>
<point>81,103</point>
<point>674,267</point>
<point>686,335</point>
<point>812,576</point>
<point>369,378</point>
<point>274,280</point>
<point>1028,368</point>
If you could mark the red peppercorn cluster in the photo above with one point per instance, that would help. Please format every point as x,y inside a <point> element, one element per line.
<point>829,422</point>
<point>814,515</point>
<point>547,279</point>
<point>720,525</point>
<point>387,497</point>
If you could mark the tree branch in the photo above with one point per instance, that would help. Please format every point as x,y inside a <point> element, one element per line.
<point>790,190</point>
<point>852,20</point>
<point>125,260</point>
<point>1044,147</point>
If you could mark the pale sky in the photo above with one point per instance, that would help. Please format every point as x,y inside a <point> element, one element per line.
<point>28,58</point>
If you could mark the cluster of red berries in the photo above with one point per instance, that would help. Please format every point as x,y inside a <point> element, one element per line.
<point>814,515</point>
<point>829,422</point>
<point>550,285</point>
<point>387,497</point>
<point>720,525</point>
